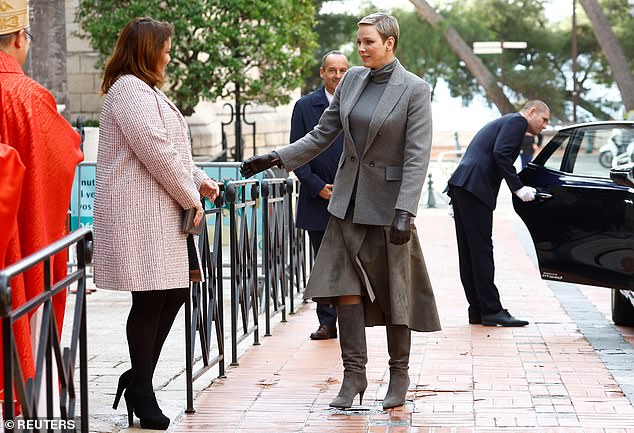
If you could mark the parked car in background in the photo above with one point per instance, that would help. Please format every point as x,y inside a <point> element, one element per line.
<point>582,222</point>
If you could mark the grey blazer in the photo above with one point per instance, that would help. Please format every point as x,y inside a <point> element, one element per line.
<point>391,171</point>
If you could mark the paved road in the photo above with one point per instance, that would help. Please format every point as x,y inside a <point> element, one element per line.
<point>569,370</point>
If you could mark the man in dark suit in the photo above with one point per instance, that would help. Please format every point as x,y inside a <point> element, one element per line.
<point>318,175</point>
<point>473,188</point>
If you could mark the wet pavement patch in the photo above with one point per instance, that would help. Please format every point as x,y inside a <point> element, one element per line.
<point>390,423</point>
<point>358,410</point>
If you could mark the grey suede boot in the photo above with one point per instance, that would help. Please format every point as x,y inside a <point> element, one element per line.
<point>399,339</point>
<point>354,354</point>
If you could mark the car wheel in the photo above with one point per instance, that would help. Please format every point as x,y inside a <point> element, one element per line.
<point>622,309</point>
<point>605,159</point>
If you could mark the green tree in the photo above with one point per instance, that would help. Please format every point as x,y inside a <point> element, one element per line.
<point>431,60</point>
<point>461,49</point>
<point>543,70</point>
<point>259,47</point>
<point>611,48</point>
<point>333,32</point>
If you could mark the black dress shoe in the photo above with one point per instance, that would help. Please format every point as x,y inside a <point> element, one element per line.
<point>502,318</point>
<point>324,332</point>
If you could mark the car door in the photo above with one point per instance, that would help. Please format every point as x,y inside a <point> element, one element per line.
<point>582,223</point>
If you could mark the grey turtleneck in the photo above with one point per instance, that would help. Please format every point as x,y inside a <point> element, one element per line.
<point>362,113</point>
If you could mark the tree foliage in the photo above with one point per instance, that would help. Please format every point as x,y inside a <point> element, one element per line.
<point>333,32</point>
<point>612,50</point>
<point>543,70</point>
<point>261,45</point>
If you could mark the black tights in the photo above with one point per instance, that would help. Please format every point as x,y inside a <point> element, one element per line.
<point>149,322</point>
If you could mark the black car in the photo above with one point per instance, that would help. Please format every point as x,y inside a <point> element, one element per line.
<point>582,222</point>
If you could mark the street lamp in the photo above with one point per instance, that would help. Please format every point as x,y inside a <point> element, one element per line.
<point>497,47</point>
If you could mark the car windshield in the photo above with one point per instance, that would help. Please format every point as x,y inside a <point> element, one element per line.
<point>590,150</point>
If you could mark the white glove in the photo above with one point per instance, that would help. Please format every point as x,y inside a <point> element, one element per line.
<point>526,193</point>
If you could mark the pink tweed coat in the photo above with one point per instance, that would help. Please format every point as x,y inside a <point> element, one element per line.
<point>145,180</point>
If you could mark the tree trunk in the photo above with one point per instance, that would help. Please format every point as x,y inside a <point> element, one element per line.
<point>47,57</point>
<point>477,68</point>
<point>613,51</point>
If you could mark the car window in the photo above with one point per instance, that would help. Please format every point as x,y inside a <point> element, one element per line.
<point>554,161</point>
<point>593,150</point>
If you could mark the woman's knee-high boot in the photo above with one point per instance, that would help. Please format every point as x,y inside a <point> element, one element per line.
<point>398,345</point>
<point>353,353</point>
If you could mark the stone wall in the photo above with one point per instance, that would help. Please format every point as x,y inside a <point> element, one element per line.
<point>84,80</point>
<point>272,128</point>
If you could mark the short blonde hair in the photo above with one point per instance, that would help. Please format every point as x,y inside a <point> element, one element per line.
<point>385,24</point>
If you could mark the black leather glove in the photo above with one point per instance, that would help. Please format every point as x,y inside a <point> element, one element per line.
<point>259,163</point>
<point>400,232</point>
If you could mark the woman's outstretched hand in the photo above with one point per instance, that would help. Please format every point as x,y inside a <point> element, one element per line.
<point>259,163</point>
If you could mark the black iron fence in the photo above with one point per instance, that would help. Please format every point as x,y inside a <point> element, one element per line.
<point>253,234</point>
<point>204,309</point>
<point>49,353</point>
<point>297,244</point>
<point>262,238</point>
<point>242,197</point>
<point>274,248</point>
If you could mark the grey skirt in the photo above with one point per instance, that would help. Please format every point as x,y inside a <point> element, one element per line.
<point>357,259</point>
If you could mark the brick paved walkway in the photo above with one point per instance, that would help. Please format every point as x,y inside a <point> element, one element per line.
<point>542,378</point>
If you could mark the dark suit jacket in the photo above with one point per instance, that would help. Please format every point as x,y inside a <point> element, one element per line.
<point>489,159</point>
<point>312,210</point>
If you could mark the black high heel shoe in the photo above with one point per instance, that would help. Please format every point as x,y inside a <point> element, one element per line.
<point>147,410</point>
<point>124,382</point>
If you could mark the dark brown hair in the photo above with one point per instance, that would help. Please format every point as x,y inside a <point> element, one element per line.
<point>138,51</point>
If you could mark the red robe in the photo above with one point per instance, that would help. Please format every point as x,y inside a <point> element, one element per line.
<point>49,148</point>
<point>11,177</point>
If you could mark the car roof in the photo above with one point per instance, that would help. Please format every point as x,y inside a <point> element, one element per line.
<point>598,123</point>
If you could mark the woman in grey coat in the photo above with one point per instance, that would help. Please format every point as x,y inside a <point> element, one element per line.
<point>145,180</point>
<point>371,265</point>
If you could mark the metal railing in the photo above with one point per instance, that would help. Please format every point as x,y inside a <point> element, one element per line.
<point>242,196</point>
<point>297,245</point>
<point>204,310</point>
<point>274,248</point>
<point>254,223</point>
<point>49,353</point>
<point>281,276</point>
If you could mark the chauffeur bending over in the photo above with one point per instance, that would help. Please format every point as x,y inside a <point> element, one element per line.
<point>473,188</point>
<point>370,264</point>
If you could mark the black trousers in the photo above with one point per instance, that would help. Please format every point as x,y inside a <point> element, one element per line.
<point>327,314</point>
<point>149,322</point>
<point>474,229</point>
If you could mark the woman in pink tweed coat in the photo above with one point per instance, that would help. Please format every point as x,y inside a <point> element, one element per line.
<point>145,180</point>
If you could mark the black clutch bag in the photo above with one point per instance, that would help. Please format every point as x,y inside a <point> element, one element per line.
<point>188,223</point>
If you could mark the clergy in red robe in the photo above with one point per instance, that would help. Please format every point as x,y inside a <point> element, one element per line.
<point>49,148</point>
<point>11,177</point>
